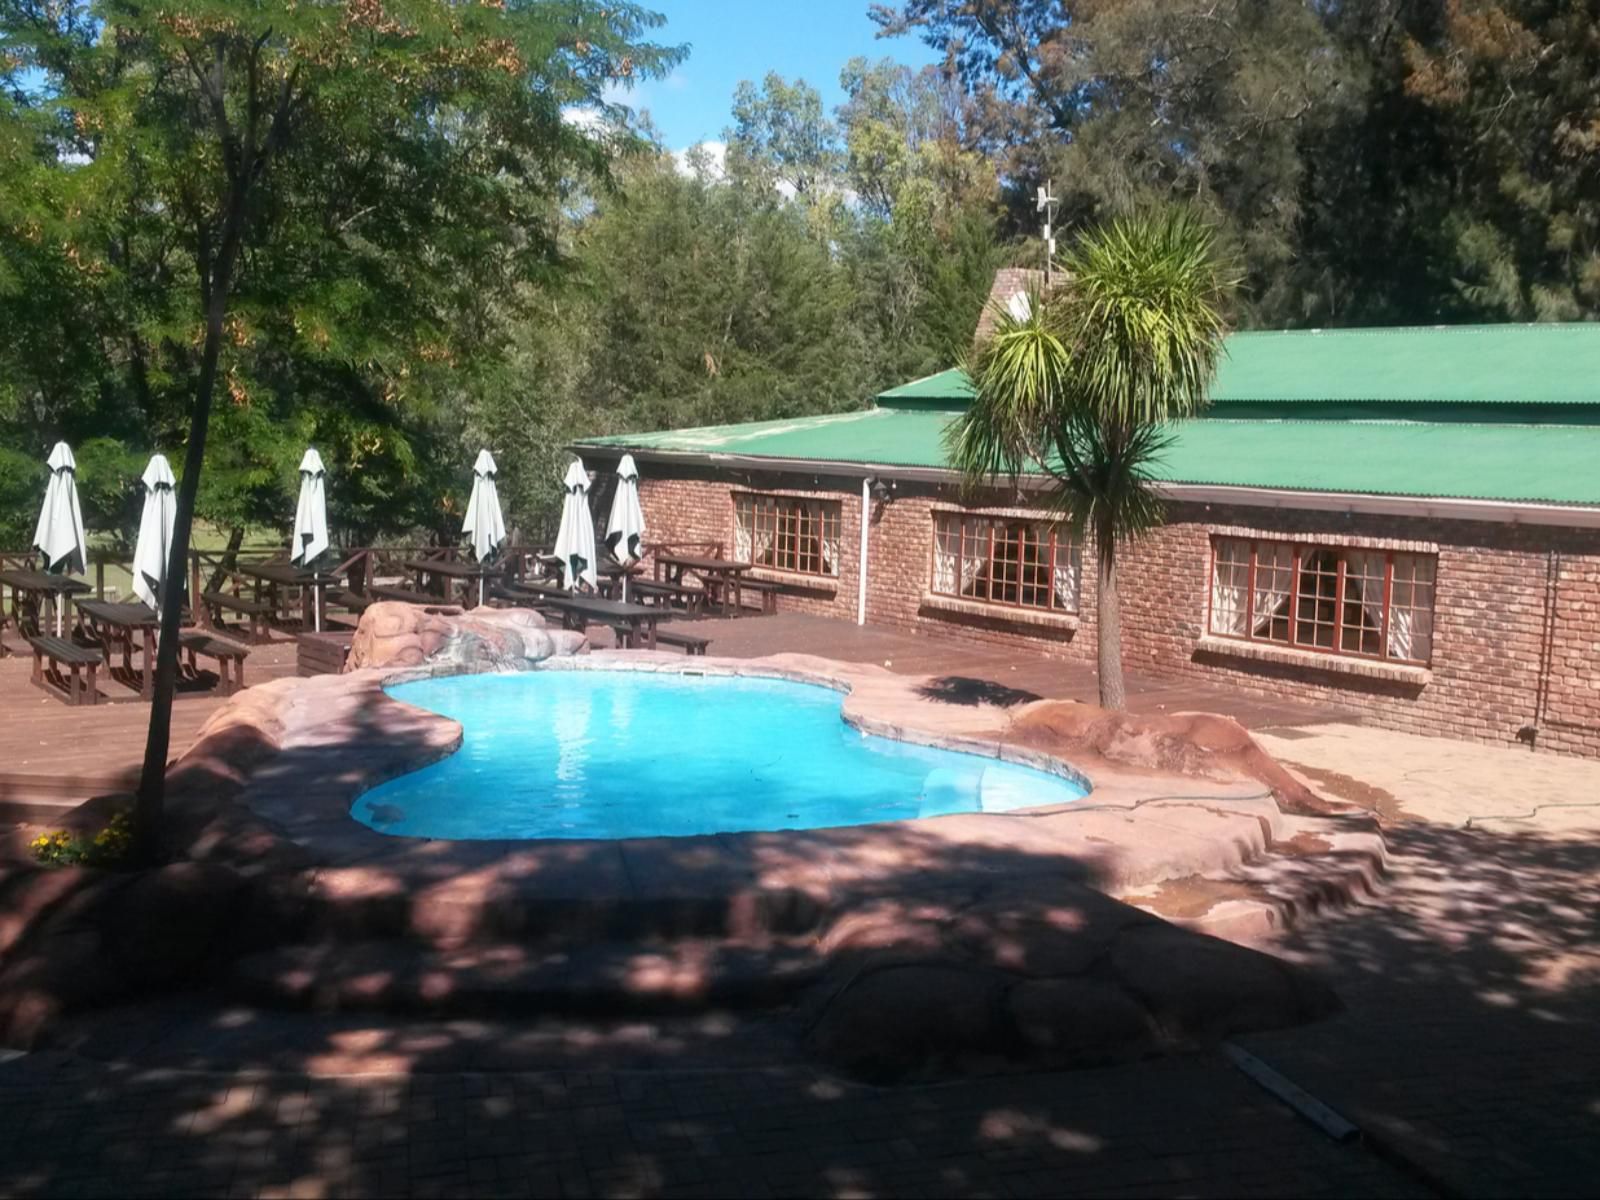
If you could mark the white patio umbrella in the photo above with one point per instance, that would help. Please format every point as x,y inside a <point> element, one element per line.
<point>311,513</point>
<point>575,542</point>
<point>154,547</point>
<point>311,523</point>
<point>625,528</point>
<point>59,535</point>
<point>485,525</point>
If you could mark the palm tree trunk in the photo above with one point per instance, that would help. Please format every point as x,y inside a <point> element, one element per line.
<point>1108,622</point>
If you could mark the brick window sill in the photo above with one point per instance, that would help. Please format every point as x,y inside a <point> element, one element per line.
<point>822,585</point>
<point>1037,619</point>
<point>1364,668</point>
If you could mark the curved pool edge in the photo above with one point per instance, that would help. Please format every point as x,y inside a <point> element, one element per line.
<point>851,711</point>
<point>330,739</point>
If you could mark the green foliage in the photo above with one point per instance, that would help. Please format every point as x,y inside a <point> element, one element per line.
<point>401,167</point>
<point>109,847</point>
<point>1364,163</point>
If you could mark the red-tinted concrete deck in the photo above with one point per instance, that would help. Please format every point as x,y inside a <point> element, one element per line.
<point>1024,670</point>
<point>53,757</point>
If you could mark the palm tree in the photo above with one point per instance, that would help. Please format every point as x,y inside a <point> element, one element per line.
<point>1083,387</point>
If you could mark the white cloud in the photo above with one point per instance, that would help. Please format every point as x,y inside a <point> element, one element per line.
<point>591,120</point>
<point>709,158</point>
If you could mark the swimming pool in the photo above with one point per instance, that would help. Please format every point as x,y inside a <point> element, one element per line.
<point>614,754</point>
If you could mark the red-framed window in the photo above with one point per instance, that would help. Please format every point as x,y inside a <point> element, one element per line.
<point>1330,599</point>
<point>787,533</point>
<point>999,560</point>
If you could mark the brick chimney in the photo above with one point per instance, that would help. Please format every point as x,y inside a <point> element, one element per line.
<point>1008,282</point>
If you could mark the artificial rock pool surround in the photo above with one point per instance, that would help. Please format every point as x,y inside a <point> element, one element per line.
<point>951,942</point>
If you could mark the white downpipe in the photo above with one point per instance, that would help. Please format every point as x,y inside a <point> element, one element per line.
<point>861,582</point>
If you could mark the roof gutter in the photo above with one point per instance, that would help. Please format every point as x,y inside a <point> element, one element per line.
<point>1515,512</point>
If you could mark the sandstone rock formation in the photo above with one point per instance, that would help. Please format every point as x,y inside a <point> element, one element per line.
<point>1041,974</point>
<point>1203,745</point>
<point>485,639</point>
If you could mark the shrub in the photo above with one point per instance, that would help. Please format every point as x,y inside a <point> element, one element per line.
<point>107,848</point>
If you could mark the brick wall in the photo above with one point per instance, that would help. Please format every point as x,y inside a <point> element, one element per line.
<point>1515,642</point>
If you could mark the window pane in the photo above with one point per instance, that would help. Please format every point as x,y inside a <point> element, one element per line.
<point>1027,564</point>
<point>1316,617</point>
<point>788,534</point>
<point>1361,623</point>
<point>1229,586</point>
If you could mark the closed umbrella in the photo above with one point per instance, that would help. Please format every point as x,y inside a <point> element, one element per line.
<point>575,543</point>
<point>59,535</point>
<point>625,529</point>
<point>154,548</point>
<point>311,523</point>
<point>311,513</point>
<point>485,525</point>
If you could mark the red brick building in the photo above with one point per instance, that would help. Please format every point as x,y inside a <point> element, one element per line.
<point>1401,522</point>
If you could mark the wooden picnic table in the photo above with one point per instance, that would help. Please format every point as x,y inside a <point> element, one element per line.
<point>633,621</point>
<point>722,577</point>
<point>268,577</point>
<point>614,577</point>
<point>115,624</point>
<point>453,569</point>
<point>36,587</point>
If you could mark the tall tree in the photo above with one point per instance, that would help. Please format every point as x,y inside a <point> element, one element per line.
<point>380,140</point>
<point>1125,105</point>
<point>1084,387</point>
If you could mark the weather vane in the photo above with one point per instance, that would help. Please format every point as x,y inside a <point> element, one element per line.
<point>1047,205</point>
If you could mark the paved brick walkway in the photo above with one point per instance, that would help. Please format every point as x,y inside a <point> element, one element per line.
<point>1471,1043</point>
<point>1189,1127</point>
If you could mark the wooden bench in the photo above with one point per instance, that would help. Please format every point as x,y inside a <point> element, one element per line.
<point>378,591</point>
<point>255,612</point>
<point>323,653</point>
<point>647,591</point>
<point>74,688</point>
<point>345,598</point>
<point>767,593</point>
<point>229,657</point>
<point>689,643</point>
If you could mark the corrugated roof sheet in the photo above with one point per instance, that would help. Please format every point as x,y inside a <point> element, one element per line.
<point>1456,364</point>
<point>1537,463</point>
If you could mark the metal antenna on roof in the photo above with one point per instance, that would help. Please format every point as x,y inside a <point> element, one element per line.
<point>1047,205</point>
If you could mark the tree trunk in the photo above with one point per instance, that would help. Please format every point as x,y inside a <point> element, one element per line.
<point>1108,622</point>
<point>153,776</point>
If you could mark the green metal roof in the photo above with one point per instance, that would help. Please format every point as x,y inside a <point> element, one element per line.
<point>1454,364</point>
<point>1513,462</point>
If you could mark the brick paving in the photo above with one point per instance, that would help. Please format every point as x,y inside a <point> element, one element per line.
<point>1469,1053</point>
<point>1189,1127</point>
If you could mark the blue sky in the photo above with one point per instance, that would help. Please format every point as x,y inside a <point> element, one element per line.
<point>731,40</point>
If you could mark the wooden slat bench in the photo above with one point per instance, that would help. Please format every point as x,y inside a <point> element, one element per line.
<point>323,653</point>
<point>646,591</point>
<point>767,593</point>
<point>255,612</point>
<point>377,591</point>
<point>689,643</point>
<point>229,657</point>
<point>73,688</point>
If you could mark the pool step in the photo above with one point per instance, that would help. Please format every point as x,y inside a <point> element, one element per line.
<point>355,905</point>
<point>514,979</point>
<point>1310,867</point>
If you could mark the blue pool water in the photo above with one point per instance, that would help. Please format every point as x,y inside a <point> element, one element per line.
<point>613,754</point>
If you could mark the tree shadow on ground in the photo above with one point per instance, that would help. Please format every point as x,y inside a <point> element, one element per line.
<point>969,692</point>
<point>1471,1039</point>
<point>1466,982</point>
<point>209,1092</point>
